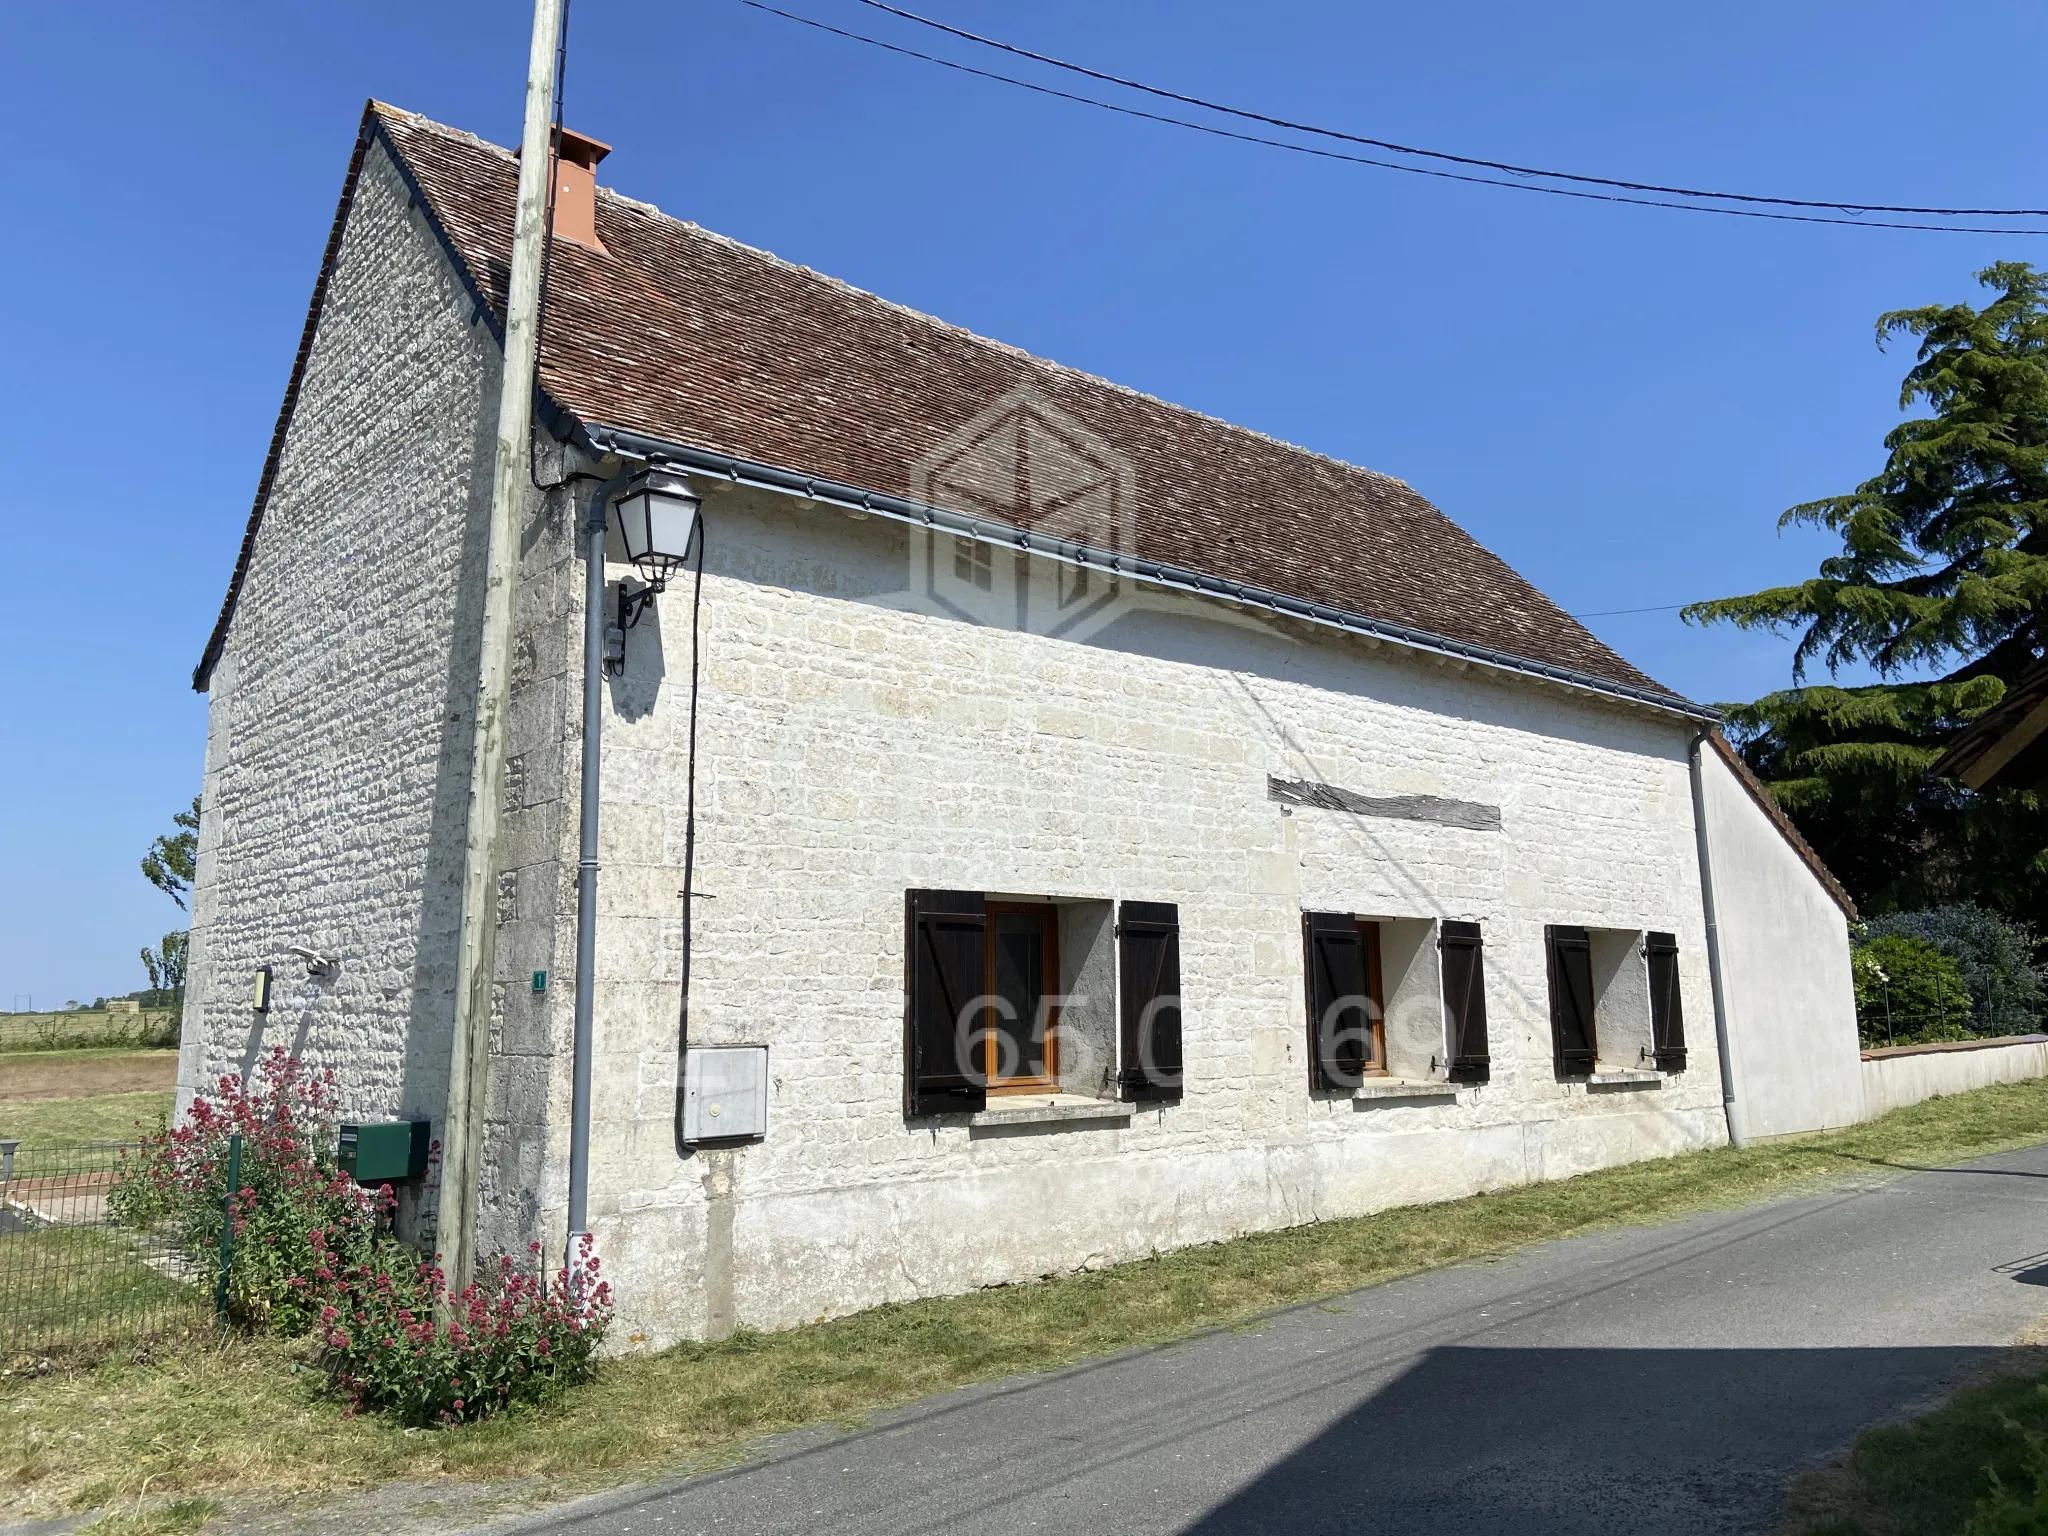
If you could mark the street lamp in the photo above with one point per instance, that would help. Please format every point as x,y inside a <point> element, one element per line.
<point>657,520</point>
<point>658,517</point>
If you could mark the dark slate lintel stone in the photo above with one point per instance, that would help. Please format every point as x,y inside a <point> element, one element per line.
<point>1468,814</point>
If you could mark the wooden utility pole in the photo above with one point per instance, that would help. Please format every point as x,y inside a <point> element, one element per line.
<point>469,1062</point>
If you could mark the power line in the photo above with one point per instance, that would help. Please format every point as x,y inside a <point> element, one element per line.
<point>1385,165</point>
<point>1437,154</point>
<point>1609,613</point>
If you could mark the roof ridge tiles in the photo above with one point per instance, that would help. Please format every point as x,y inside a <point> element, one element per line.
<point>682,334</point>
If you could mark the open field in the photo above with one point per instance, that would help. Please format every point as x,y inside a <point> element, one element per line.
<point>253,1420</point>
<point>82,1074</point>
<point>64,1098</point>
<point>84,1027</point>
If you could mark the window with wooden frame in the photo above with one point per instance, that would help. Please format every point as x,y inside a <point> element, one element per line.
<point>1038,995</point>
<point>1346,1006</point>
<point>1020,1040</point>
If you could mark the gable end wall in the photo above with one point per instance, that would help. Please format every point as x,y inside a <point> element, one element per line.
<point>337,773</point>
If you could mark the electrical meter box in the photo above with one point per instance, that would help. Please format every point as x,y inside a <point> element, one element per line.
<point>725,1093</point>
<point>386,1153</point>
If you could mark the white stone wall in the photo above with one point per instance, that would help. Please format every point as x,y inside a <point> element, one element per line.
<point>1892,1081</point>
<point>1785,970</point>
<point>851,747</point>
<point>341,711</point>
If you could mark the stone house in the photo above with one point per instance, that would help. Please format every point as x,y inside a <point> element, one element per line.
<point>1122,830</point>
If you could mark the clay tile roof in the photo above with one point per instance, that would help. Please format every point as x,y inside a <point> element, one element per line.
<point>691,338</point>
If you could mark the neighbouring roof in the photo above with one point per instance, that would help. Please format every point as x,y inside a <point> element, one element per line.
<point>687,337</point>
<point>2006,747</point>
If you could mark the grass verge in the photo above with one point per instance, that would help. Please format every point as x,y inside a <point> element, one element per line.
<point>74,1122</point>
<point>1931,1476</point>
<point>251,1418</point>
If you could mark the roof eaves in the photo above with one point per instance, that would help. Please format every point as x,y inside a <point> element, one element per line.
<point>1992,735</point>
<point>631,444</point>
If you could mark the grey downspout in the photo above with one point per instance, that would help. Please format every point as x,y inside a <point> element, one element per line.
<point>1721,1046</point>
<point>586,863</point>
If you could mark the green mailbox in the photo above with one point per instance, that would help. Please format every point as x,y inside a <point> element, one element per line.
<point>386,1153</point>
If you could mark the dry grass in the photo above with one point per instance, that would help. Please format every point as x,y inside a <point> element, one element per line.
<point>79,1074</point>
<point>248,1419</point>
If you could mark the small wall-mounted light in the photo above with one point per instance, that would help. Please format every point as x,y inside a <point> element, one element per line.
<point>259,998</point>
<point>317,964</point>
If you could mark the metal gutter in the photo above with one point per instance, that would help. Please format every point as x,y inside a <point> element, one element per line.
<point>635,445</point>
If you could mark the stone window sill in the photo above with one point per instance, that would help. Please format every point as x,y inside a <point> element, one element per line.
<point>1381,1089</point>
<point>1047,1109</point>
<point>1625,1077</point>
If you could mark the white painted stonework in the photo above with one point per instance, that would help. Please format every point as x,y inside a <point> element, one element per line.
<point>1894,1079</point>
<point>1785,967</point>
<point>854,743</point>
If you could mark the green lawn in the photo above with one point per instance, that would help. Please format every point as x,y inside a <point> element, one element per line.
<point>69,1122</point>
<point>253,1420</point>
<point>66,1289</point>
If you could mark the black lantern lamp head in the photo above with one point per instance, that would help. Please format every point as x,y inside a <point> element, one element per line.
<point>658,519</point>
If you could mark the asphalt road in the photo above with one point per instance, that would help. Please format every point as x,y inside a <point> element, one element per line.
<point>1662,1379</point>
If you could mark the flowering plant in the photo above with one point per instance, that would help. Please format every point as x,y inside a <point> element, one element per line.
<point>175,1182</point>
<point>397,1339</point>
<point>313,1252</point>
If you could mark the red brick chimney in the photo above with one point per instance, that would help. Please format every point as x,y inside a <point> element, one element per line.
<point>576,188</point>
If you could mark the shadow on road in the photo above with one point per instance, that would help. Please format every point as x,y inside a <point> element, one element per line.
<point>1582,1440</point>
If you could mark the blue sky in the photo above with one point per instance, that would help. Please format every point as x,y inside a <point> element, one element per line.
<point>1618,401</point>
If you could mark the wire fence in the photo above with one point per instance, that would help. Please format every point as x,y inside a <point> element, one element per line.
<point>73,1280</point>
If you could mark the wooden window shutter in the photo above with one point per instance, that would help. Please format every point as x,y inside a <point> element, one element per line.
<point>1148,978</point>
<point>1571,1000</point>
<point>1339,1025</point>
<point>1464,1002</point>
<point>945,973</point>
<point>1667,1017</point>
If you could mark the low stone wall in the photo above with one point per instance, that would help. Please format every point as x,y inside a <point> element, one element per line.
<point>1906,1074</point>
